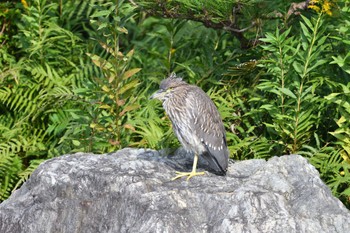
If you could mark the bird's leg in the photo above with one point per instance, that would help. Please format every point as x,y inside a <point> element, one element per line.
<point>192,173</point>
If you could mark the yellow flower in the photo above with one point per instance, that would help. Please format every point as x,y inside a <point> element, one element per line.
<point>326,7</point>
<point>321,6</point>
<point>24,3</point>
<point>312,2</point>
<point>315,8</point>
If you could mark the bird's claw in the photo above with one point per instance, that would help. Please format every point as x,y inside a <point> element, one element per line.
<point>189,174</point>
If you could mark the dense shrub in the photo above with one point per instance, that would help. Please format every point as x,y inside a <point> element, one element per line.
<point>76,76</point>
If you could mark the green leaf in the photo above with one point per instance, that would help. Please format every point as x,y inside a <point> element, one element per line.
<point>305,31</point>
<point>105,106</point>
<point>267,106</point>
<point>318,63</point>
<point>130,73</point>
<point>76,142</point>
<point>331,96</point>
<point>100,62</point>
<point>102,25</point>
<point>298,67</point>
<point>285,34</point>
<point>287,92</point>
<point>101,13</point>
<point>346,192</point>
<point>129,108</point>
<point>307,21</point>
<point>122,30</point>
<point>106,89</point>
<point>128,86</point>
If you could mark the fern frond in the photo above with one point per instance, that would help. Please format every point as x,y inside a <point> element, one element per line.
<point>24,175</point>
<point>10,165</point>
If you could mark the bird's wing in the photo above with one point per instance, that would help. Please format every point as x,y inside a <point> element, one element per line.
<point>208,127</point>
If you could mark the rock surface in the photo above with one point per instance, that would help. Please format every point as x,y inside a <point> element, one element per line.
<point>131,191</point>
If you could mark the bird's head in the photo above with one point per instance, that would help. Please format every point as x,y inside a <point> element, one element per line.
<point>167,86</point>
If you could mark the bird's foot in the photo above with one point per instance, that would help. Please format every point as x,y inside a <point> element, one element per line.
<point>188,174</point>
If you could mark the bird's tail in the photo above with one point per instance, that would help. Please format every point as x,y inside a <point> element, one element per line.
<point>214,163</point>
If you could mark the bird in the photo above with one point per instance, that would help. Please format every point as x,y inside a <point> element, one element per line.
<point>196,122</point>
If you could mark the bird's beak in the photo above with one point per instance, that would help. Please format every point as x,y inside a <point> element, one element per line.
<point>157,95</point>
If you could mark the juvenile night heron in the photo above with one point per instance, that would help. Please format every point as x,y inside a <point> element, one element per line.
<point>196,123</point>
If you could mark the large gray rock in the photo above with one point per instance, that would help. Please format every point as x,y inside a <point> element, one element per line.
<point>131,191</point>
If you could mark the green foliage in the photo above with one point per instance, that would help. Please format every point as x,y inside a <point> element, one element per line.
<point>293,101</point>
<point>110,97</point>
<point>76,76</point>
<point>293,84</point>
<point>243,18</point>
<point>39,85</point>
<point>10,166</point>
<point>337,165</point>
<point>152,128</point>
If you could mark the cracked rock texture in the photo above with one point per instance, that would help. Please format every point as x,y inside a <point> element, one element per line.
<point>131,191</point>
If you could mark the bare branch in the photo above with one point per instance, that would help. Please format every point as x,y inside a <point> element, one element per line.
<point>229,25</point>
<point>295,7</point>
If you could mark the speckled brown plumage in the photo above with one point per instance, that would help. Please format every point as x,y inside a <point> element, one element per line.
<point>196,121</point>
